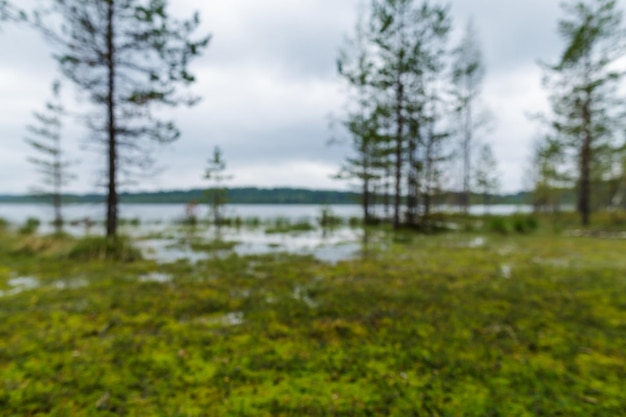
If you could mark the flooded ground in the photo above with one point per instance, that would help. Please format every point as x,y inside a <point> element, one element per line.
<point>259,229</point>
<point>174,243</point>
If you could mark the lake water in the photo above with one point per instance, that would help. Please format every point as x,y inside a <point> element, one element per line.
<point>161,236</point>
<point>149,213</point>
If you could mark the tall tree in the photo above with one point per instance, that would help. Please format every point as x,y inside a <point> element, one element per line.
<point>45,138</point>
<point>361,121</point>
<point>406,37</point>
<point>583,88</point>
<point>468,72</point>
<point>129,57</point>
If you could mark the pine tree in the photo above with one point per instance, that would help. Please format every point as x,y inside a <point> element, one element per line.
<point>217,193</point>
<point>45,139</point>
<point>130,58</point>
<point>362,119</point>
<point>583,89</point>
<point>409,42</point>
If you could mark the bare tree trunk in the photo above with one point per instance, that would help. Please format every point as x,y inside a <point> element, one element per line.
<point>111,226</point>
<point>584,205</point>
<point>58,180</point>
<point>412,184</point>
<point>366,200</point>
<point>58,219</point>
<point>387,194</point>
<point>428,176</point>
<point>467,146</point>
<point>398,173</point>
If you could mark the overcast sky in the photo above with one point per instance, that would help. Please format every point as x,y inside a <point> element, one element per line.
<point>269,84</point>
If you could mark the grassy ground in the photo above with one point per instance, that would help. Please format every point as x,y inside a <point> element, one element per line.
<point>450,325</point>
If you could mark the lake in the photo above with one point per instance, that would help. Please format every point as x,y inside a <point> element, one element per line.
<point>149,213</point>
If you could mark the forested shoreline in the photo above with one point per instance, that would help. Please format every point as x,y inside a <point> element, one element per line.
<point>254,195</point>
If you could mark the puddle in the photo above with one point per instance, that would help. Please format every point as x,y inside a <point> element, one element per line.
<point>554,262</point>
<point>477,242</point>
<point>506,250</point>
<point>327,246</point>
<point>20,284</point>
<point>70,285</point>
<point>156,277</point>
<point>24,283</point>
<point>164,250</point>
<point>337,253</point>
<point>232,319</point>
<point>506,271</point>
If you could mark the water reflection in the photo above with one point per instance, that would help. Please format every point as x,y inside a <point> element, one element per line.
<point>201,242</point>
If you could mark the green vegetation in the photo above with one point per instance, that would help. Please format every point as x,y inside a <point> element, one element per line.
<point>284,225</point>
<point>466,323</point>
<point>583,144</point>
<point>119,248</point>
<point>97,45</point>
<point>30,226</point>
<point>217,193</point>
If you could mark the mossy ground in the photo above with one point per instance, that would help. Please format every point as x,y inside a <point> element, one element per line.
<point>448,325</point>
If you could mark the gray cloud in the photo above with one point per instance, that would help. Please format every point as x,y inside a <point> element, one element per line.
<point>269,84</point>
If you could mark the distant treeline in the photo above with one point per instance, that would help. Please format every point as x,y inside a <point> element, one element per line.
<point>251,195</point>
<point>248,195</point>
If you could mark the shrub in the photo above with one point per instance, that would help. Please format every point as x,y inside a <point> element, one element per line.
<point>103,248</point>
<point>328,218</point>
<point>30,226</point>
<point>358,222</point>
<point>135,221</point>
<point>498,224</point>
<point>525,224</point>
<point>252,222</point>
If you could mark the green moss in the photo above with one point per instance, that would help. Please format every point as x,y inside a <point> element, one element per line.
<point>428,326</point>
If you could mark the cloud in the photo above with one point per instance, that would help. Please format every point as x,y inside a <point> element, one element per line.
<point>268,84</point>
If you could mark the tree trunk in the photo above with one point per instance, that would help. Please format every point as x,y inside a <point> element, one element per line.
<point>387,193</point>
<point>58,181</point>
<point>112,199</point>
<point>429,177</point>
<point>465,199</point>
<point>411,185</point>
<point>584,205</point>
<point>366,201</point>
<point>58,219</point>
<point>398,173</point>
